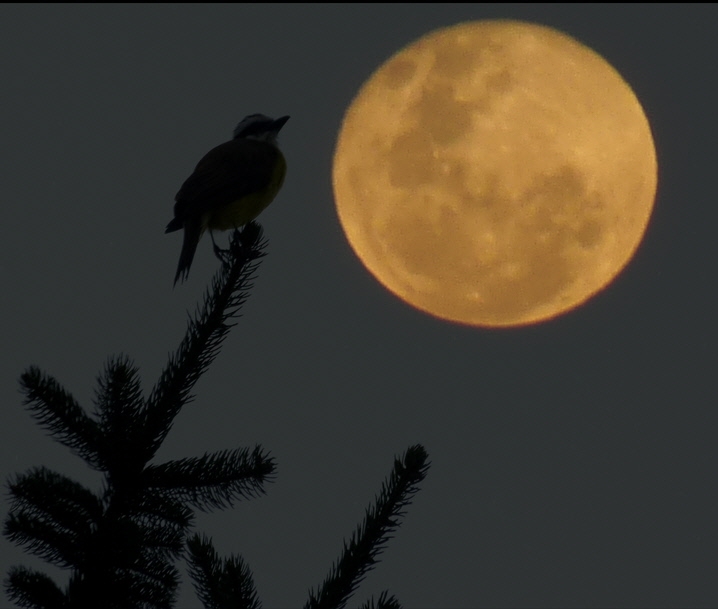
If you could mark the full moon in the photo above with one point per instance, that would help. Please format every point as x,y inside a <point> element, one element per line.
<point>495,173</point>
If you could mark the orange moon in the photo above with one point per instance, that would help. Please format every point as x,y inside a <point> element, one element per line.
<point>495,173</point>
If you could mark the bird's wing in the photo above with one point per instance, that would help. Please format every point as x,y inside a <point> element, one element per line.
<point>226,173</point>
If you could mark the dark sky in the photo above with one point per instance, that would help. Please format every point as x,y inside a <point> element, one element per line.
<point>573,461</point>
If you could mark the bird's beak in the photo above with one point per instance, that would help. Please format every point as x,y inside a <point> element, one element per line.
<point>279,123</point>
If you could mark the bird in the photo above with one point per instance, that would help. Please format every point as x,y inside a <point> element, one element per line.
<point>231,185</point>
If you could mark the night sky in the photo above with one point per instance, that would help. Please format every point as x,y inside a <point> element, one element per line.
<point>573,462</point>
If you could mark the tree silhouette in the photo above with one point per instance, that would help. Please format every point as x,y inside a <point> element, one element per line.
<point>121,544</point>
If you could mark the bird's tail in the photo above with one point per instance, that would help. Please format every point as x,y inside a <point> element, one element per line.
<point>175,224</point>
<point>192,233</point>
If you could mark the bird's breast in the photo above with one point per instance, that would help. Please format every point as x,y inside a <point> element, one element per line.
<point>248,207</point>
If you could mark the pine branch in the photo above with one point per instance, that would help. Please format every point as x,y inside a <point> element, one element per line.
<point>160,541</point>
<point>205,333</point>
<point>156,510</point>
<point>42,539</point>
<point>119,408</point>
<point>220,584</point>
<point>124,588</point>
<point>128,566</point>
<point>30,588</point>
<point>52,516</point>
<point>155,590</point>
<point>383,602</point>
<point>58,412</point>
<point>370,538</point>
<point>214,480</point>
<point>121,546</point>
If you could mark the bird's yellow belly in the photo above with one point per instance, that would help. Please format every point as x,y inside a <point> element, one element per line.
<point>238,213</point>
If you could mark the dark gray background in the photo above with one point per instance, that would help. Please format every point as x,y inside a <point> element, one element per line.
<point>573,462</point>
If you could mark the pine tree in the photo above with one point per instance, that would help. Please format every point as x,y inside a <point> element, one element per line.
<point>121,544</point>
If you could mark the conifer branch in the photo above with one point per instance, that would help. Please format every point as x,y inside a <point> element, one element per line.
<point>58,412</point>
<point>30,588</point>
<point>156,510</point>
<point>383,602</point>
<point>205,332</point>
<point>127,567</point>
<point>125,588</point>
<point>368,541</point>
<point>220,584</point>
<point>119,408</point>
<point>121,546</point>
<point>214,480</point>
<point>52,516</point>
<point>41,538</point>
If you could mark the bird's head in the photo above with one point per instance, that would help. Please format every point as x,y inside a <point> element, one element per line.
<point>260,127</point>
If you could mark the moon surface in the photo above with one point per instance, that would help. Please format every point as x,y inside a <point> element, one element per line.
<point>495,173</point>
